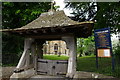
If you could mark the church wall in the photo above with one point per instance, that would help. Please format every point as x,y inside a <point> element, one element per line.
<point>50,46</point>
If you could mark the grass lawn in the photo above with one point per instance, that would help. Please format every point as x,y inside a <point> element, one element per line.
<point>55,57</point>
<point>88,64</point>
<point>105,65</point>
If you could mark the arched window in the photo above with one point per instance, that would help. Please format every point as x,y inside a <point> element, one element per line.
<point>55,47</point>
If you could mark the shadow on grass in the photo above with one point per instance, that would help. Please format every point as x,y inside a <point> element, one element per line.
<point>88,64</point>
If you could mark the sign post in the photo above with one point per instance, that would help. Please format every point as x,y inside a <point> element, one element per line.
<point>103,44</point>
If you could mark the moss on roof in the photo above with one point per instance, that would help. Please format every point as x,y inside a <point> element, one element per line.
<point>50,19</point>
<point>50,23</point>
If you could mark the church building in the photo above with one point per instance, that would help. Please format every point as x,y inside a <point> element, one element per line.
<point>56,47</point>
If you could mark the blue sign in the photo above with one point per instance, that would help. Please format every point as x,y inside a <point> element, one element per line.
<point>102,38</point>
<point>103,41</point>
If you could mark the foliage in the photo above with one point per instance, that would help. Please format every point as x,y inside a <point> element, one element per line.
<point>80,46</point>
<point>11,44</point>
<point>10,59</point>
<point>85,46</point>
<point>117,53</point>
<point>108,15</point>
<point>82,11</point>
<point>15,15</point>
<point>105,14</point>
<point>90,45</point>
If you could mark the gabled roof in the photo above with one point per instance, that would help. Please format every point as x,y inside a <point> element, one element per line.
<point>50,21</point>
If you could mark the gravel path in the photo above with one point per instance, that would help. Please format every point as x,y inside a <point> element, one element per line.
<point>6,72</point>
<point>82,74</point>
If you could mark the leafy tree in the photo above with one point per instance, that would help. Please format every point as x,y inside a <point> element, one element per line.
<point>82,11</point>
<point>15,15</point>
<point>80,46</point>
<point>108,15</point>
<point>89,45</point>
<point>105,14</point>
<point>85,46</point>
<point>18,14</point>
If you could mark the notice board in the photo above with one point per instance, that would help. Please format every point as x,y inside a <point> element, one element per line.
<point>102,38</point>
<point>103,42</point>
<point>104,52</point>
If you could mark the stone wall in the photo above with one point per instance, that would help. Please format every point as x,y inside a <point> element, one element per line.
<point>49,47</point>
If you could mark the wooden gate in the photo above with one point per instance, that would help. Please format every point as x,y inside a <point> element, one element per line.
<point>52,67</point>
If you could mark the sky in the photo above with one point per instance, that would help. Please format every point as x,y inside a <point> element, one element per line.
<point>62,5</point>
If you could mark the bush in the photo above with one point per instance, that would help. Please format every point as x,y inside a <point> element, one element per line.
<point>10,59</point>
<point>117,53</point>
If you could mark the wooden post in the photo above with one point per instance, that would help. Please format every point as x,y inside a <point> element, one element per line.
<point>39,48</point>
<point>27,60</point>
<point>33,51</point>
<point>39,52</point>
<point>25,55</point>
<point>71,44</point>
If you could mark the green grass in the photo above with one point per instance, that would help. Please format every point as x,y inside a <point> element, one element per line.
<point>88,64</point>
<point>55,57</point>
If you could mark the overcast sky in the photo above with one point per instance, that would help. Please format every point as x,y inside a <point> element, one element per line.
<point>62,5</point>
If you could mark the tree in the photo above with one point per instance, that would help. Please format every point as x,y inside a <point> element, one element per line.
<point>80,46</point>
<point>89,45</point>
<point>85,46</point>
<point>82,11</point>
<point>105,14</point>
<point>15,15</point>
<point>108,15</point>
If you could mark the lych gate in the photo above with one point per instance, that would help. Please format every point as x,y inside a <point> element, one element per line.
<point>53,25</point>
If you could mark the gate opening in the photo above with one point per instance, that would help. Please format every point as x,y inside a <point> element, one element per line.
<point>55,47</point>
<point>55,58</point>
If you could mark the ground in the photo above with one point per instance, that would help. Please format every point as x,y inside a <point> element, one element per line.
<point>82,74</point>
<point>85,67</point>
<point>7,72</point>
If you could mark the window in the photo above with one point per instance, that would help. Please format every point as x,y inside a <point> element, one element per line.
<point>55,47</point>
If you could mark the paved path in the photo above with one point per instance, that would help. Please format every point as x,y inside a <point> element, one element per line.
<point>7,71</point>
<point>79,75</point>
<point>43,76</point>
<point>82,74</point>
